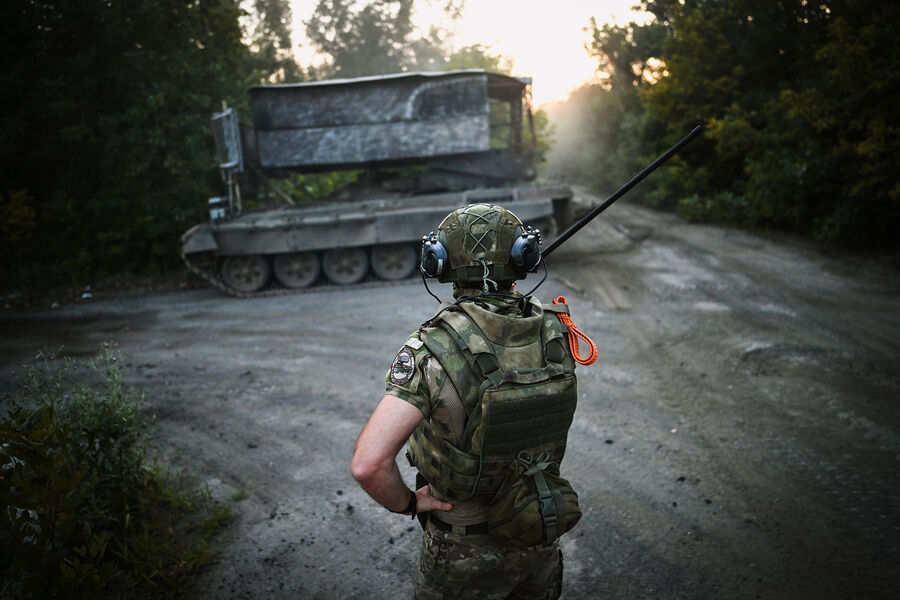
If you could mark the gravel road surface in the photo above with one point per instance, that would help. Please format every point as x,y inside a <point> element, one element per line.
<point>738,437</point>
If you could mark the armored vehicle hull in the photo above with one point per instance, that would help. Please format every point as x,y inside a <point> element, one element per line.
<point>344,243</point>
<point>462,129</point>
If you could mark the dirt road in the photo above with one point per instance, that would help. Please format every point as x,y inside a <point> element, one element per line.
<point>738,437</point>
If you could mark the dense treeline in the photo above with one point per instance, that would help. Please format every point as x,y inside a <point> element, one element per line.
<point>104,110</point>
<point>798,100</point>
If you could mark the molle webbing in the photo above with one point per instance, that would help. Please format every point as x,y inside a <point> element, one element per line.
<point>537,420</point>
<point>454,474</point>
<point>526,408</point>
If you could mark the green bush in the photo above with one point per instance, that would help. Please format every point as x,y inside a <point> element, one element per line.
<point>83,514</point>
<point>724,207</point>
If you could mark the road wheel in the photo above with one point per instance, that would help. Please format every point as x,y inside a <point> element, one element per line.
<point>345,265</point>
<point>246,273</point>
<point>297,269</point>
<point>394,261</point>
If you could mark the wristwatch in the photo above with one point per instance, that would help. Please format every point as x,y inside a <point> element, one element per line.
<point>411,508</point>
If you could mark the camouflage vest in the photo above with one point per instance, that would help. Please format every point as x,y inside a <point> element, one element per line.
<point>515,378</point>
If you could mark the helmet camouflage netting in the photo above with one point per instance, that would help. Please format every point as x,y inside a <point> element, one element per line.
<point>478,239</point>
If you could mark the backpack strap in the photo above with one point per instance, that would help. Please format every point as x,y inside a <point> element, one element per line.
<point>550,502</point>
<point>558,308</point>
<point>474,346</point>
<point>482,358</point>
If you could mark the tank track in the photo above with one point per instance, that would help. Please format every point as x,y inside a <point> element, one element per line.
<point>274,288</point>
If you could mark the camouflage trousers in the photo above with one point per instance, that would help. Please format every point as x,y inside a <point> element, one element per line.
<point>478,568</point>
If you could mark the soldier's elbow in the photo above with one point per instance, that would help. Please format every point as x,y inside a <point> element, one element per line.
<point>363,469</point>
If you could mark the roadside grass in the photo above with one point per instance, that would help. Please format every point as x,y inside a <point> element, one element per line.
<point>84,513</point>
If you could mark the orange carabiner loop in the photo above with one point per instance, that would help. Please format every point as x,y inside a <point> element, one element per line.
<point>573,335</point>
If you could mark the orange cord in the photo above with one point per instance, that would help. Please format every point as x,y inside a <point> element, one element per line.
<point>574,334</point>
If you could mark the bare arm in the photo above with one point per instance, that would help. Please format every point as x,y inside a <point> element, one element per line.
<point>374,463</point>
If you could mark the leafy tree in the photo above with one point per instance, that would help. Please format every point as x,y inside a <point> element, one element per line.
<point>369,40</point>
<point>725,59</point>
<point>104,135</point>
<point>105,152</point>
<point>271,56</point>
<point>797,99</point>
<point>835,136</point>
<point>378,37</point>
<point>602,133</point>
<point>478,56</point>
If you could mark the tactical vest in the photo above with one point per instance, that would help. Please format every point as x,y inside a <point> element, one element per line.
<point>515,378</point>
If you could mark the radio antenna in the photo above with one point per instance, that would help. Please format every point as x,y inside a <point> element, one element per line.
<point>622,191</point>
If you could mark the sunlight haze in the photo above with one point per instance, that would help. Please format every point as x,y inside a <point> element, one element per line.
<point>544,40</point>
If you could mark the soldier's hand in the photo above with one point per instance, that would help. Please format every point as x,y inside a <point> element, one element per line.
<point>425,501</point>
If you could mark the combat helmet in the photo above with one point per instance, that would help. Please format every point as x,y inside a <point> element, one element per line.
<point>480,244</point>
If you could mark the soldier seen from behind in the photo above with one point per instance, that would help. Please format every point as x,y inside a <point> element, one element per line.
<point>483,393</point>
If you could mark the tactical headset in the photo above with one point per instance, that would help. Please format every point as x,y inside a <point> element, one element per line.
<point>523,256</point>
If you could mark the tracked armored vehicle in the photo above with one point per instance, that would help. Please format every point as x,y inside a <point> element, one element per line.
<point>423,144</point>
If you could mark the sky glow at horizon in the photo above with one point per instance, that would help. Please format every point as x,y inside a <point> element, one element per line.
<point>544,40</point>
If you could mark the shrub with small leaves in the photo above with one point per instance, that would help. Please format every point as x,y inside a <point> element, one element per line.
<point>82,514</point>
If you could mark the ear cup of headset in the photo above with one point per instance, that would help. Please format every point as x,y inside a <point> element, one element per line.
<point>434,256</point>
<point>525,254</point>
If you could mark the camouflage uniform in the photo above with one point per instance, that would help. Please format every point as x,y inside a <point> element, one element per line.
<point>453,565</point>
<point>478,568</point>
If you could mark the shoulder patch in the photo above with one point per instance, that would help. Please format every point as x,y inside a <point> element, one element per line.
<point>414,343</point>
<point>403,367</point>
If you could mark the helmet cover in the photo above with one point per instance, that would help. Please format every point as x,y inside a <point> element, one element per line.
<point>478,239</point>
